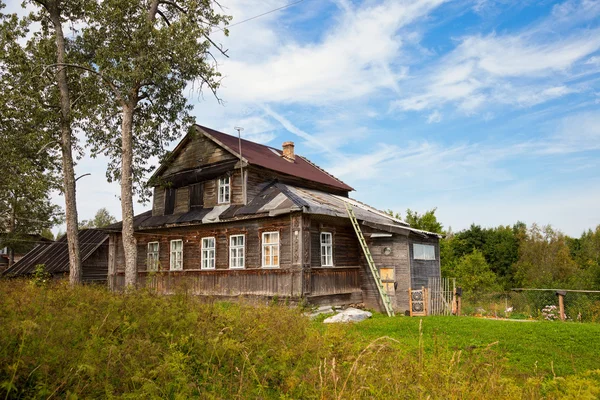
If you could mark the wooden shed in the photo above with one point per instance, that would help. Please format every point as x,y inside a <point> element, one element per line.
<point>54,256</point>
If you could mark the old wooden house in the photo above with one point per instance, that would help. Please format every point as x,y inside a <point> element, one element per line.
<point>235,218</point>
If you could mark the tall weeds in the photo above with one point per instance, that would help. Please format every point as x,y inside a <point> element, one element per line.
<point>58,342</point>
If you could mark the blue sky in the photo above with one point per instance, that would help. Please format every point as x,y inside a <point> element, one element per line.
<point>487,110</point>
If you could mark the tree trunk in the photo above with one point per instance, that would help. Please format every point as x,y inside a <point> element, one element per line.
<point>11,231</point>
<point>129,242</point>
<point>66,149</point>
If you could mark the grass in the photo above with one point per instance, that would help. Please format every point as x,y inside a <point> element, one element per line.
<point>86,342</point>
<point>530,347</point>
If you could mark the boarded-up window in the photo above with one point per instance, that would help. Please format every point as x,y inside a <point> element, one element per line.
<point>423,252</point>
<point>170,200</point>
<point>196,196</point>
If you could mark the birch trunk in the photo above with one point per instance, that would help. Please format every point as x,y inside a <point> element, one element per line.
<point>66,149</point>
<point>129,242</point>
<point>13,225</point>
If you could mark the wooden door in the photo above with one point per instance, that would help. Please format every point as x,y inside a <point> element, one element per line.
<point>388,279</point>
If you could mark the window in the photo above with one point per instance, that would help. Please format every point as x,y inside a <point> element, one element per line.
<point>423,252</point>
<point>176,255</point>
<point>196,195</point>
<point>326,249</point>
<point>170,200</point>
<point>152,260</point>
<point>208,253</point>
<point>236,251</point>
<point>270,249</point>
<point>224,190</point>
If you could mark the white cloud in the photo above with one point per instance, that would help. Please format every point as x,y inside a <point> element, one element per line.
<point>352,60</point>
<point>520,69</point>
<point>434,118</point>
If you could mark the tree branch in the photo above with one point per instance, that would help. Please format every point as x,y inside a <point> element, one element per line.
<point>170,3</point>
<point>110,84</point>
<point>224,52</point>
<point>164,17</point>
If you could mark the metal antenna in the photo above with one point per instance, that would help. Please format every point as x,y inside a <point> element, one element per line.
<point>239,130</point>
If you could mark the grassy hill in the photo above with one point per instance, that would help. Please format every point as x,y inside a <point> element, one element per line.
<point>58,342</point>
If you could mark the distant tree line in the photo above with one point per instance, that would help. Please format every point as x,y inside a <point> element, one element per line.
<point>505,257</point>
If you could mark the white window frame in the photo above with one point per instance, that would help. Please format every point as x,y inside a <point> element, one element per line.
<point>271,255</point>
<point>425,252</point>
<point>224,190</point>
<point>234,252</point>
<point>176,256</point>
<point>326,259</point>
<point>153,257</point>
<point>208,259</point>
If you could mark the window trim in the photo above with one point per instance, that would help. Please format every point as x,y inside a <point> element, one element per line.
<point>262,250</point>
<point>425,245</point>
<point>171,260</point>
<point>214,252</point>
<point>243,247</point>
<point>148,252</point>
<point>228,186</point>
<point>324,245</point>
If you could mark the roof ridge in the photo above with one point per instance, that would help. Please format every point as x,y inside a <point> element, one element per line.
<point>322,170</point>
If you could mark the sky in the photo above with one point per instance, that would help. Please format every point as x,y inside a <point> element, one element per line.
<point>487,110</point>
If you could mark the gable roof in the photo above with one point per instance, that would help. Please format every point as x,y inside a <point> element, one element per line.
<point>264,156</point>
<point>277,199</point>
<point>55,255</point>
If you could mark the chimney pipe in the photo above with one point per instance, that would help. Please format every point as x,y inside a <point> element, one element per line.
<point>288,151</point>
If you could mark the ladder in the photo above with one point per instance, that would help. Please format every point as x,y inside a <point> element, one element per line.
<point>387,303</point>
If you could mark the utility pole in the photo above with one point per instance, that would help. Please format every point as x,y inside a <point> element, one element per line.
<point>239,130</point>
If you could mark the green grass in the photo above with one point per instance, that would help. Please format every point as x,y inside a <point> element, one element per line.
<point>86,342</point>
<point>530,347</point>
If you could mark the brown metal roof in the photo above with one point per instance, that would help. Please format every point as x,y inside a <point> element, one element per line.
<point>271,158</point>
<point>55,256</point>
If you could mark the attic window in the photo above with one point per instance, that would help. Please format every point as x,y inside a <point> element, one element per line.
<point>224,190</point>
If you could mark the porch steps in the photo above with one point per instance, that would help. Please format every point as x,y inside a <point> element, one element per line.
<point>387,303</point>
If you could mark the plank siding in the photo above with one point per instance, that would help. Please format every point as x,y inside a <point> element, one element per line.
<point>158,203</point>
<point>198,152</point>
<point>182,200</point>
<point>422,270</point>
<point>95,268</point>
<point>346,249</point>
<point>192,239</point>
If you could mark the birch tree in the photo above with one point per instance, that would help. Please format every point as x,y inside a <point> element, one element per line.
<point>52,15</point>
<point>145,54</point>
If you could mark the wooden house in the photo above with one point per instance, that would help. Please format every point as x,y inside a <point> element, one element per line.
<point>54,256</point>
<point>235,218</point>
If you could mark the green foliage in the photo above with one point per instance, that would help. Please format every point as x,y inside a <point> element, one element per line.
<point>86,342</point>
<point>474,274</point>
<point>427,221</point>
<point>101,219</point>
<point>28,170</point>
<point>140,67</point>
<point>545,259</point>
<point>41,277</point>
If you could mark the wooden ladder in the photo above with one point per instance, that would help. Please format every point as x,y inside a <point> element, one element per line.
<point>387,303</point>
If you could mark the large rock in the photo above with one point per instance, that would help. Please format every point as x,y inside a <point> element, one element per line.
<point>349,315</point>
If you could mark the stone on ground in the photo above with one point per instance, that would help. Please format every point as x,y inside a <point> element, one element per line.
<point>349,315</point>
